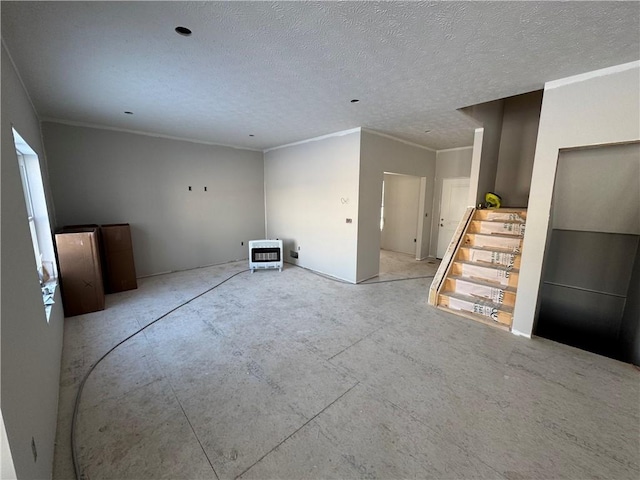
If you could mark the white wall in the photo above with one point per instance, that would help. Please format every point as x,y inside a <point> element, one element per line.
<point>7,470</point>
<point>381,154</point>
<point>451,163</point>
<point>596,108</point>
<point>104,176</point>
<point>311,189</point>
<point>31,347</point>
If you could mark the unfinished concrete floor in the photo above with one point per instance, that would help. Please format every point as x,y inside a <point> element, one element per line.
<point>290,375</point>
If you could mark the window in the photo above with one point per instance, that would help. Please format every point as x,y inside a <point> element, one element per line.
<point>29,203</point>
<point>37,218</point>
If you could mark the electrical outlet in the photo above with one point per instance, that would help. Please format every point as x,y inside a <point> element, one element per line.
<point>415,240</point>
<point>241,243</point>
<point>293,254</point>
<point>34,450</point>
<point>349,220</point>
<point>189,187</point>
<point>205,189</point>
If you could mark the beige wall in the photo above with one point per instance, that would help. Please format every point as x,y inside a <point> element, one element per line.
<point>311,189</point>
<point>31,347</point>
<point>401,201</point>
<point>381,154</point>
<point>596,108</point>
<point>105,176</point>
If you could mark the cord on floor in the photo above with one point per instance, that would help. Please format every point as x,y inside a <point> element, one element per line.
<point>366,282</point>
<point>77,468</point>
<point>74,419</point>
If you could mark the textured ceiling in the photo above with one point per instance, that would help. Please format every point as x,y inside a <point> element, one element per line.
<point>285,72</point>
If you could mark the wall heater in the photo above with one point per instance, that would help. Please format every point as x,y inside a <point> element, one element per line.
<point>265,254</point>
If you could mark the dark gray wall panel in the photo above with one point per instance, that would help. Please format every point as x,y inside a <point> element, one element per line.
<point>591,260</point>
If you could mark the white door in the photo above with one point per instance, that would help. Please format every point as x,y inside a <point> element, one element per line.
<point>452,207</point>
<point>400,217</point>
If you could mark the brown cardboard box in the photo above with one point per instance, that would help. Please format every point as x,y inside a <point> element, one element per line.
<point>120,270</point>
<point>80,270</point>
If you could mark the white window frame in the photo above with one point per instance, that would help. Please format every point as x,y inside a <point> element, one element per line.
<point>30,211</point>
<point>38,219</point>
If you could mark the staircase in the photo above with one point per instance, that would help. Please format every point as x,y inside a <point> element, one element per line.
<point>478,277</point>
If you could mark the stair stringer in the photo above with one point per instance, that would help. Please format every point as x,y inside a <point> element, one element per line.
<point>447,260</point>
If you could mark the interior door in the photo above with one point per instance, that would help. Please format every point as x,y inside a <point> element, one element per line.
<point>452,207</point>
<point>401,202</point>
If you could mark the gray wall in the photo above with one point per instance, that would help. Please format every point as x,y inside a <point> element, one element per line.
<point>31,347</point>
<point>484,168</point>
<point>630,327</point>
<point>104,176</point>
<point>311,189</point>
<point>520,121</point>
<point>506,148</point>
<point>380,154</point>
<point>598,190</point>
<point>453,163</point>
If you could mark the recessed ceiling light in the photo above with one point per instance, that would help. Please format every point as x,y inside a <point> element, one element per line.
<point>427,131</point>
<point>184,31</point>
<point>355,100</point>
<point>129,113</point>
<point>251,135</point>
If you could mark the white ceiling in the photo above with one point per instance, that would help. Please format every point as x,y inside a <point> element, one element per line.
<point>287,71</point>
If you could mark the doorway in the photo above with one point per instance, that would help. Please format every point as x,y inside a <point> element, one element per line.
<point>591,274</point>
<point>400,213</point>
<point>452,206</point>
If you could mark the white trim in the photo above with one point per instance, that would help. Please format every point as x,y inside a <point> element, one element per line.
<point>315,139</point>
<point>385,135</point>
<point>589,75</point>
<point>470,147</point>
<point>520,334</point>
<point>140,132</point>
<point>15,69</point>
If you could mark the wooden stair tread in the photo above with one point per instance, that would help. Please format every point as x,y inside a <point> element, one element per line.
<point>494,266</point>
<point>476,317</point>
<point>477,281</point>
<point>480,301</point>
<point>495,220</point>
<point>490,249</point>
<point>497,235</point>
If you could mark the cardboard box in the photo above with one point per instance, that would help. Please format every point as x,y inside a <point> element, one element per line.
<point>119,266</point>
<point>80,270</point>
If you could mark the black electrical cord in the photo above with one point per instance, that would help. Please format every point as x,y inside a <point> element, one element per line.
<point>74,418</point>
<point>395,280</point>
<point>74,453</point>
<point>366,282</point>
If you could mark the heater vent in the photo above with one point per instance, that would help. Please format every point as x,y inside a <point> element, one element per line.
<point>265,254</point>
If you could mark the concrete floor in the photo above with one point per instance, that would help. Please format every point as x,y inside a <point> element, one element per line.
<point>290,375</point>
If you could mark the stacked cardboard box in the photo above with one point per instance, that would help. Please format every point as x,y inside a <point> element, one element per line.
<point>119,268</point>
<point>80,270</point>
